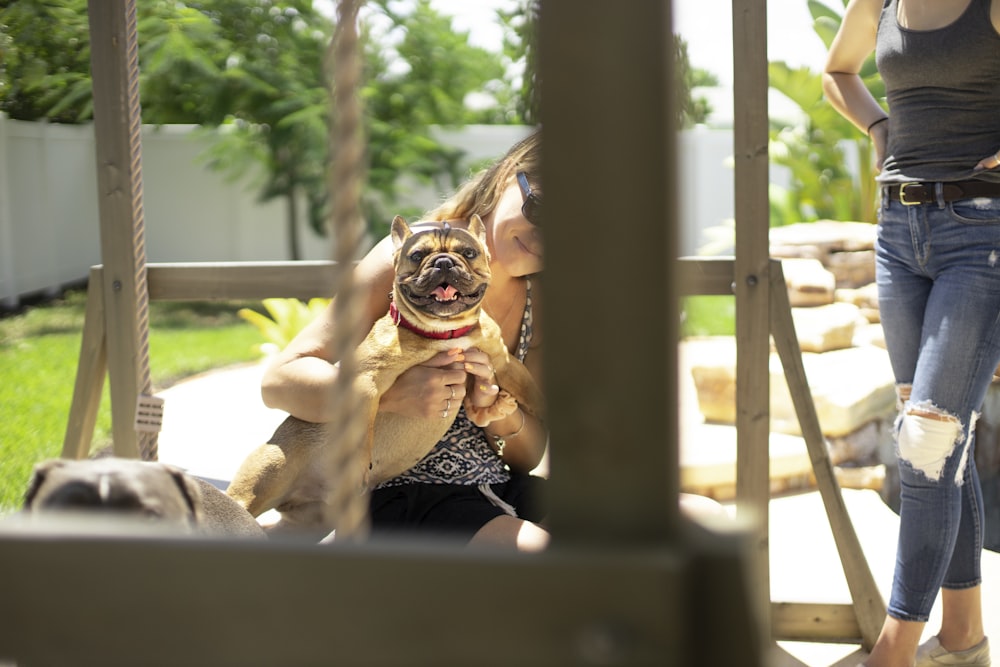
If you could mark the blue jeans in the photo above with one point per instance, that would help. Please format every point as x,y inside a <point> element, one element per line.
<point>938,273</point>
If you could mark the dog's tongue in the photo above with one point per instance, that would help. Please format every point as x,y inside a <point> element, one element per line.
<point>445,293</point>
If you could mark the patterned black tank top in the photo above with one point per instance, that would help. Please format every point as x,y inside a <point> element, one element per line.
<point>464,455</point>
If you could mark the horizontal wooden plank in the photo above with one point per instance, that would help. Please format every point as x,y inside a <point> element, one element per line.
<point>815,622</point>
<point>240,280</point>
<point>308,279</point>
<point>705,276</point>
<point>82,600</point>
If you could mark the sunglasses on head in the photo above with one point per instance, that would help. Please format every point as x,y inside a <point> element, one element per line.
<point>531,209</point>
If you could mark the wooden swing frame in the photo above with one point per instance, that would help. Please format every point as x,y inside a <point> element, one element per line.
<point>626,580</point>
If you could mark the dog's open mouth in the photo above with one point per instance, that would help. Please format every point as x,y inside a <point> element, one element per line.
<point>445,299</point>
<point>445,292</point>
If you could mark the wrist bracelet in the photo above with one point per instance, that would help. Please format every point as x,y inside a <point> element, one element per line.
<point>869,132</point>
<point>501,440</point>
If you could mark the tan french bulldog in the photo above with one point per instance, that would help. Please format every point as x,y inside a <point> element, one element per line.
<point>137,489</point>
<point>441,276</point>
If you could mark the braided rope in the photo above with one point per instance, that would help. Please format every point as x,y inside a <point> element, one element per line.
<point>348,508</point>
<point>148,439</point>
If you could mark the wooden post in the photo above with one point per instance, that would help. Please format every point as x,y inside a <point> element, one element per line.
<point>609,150</point>
<point>751,282</point>
<point>117,125</point>
<point>90,372</point>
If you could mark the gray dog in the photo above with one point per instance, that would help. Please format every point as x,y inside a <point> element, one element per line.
<point>138,489</point>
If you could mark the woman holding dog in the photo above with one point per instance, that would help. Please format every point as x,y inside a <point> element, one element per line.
<point>475,483</point>
<point>938,243</point>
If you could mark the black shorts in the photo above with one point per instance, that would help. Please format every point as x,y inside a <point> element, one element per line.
<point>453,510</point>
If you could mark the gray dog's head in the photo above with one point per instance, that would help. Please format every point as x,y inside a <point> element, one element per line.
<point>139,489</point>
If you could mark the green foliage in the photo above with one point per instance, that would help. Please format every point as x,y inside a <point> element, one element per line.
<point>425,78</point>
<point>179,50</point>
<point>256,68</point>
<point>690,110</point>
<point>45,60</point>
<point>288,318</point>
<point>816,154</point>
<point>520,45</point>
<point>708,316</point>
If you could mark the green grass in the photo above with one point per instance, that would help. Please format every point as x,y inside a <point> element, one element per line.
<point>709,316</point>
<point>39,351</point>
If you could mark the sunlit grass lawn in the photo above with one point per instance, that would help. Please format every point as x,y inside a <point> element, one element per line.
<point>39,351</point>
<point>708,316</point>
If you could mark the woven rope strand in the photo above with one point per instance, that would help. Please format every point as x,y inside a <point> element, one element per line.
<point>147,440</point>
<point>349,505</point>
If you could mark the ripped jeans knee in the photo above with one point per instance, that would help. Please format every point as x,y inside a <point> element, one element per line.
<point>927,437</point>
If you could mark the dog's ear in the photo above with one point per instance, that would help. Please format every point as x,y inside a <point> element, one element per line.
<point>38,475</point>
<point>190,490</point>
<point>478,229</point>
<point>400,232</point>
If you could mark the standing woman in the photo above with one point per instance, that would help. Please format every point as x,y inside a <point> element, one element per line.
<point>938,273</point>
<point>474,485</point>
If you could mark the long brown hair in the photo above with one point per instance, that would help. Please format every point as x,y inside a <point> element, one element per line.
<point>481,193</point>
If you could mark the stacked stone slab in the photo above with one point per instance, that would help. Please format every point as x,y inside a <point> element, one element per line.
<point>829,270</point>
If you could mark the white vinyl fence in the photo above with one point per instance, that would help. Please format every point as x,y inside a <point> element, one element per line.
<point>49,230</point>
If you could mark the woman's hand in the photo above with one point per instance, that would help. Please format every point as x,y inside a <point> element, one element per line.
<point>483,389</point>
<point>991,162</point>
<point>432,389</point>
<point>879,137</point>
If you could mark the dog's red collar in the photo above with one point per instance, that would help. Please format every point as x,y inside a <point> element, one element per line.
<point>401,321</point>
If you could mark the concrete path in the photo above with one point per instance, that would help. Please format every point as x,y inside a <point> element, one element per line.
<point>213,420</point>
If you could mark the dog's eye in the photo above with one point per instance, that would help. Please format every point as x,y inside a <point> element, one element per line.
<point>417,255</point>
<point>470,253</point>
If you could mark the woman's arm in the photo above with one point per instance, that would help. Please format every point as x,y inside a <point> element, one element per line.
<point>300,377</point>
<point>842,82</point>
<point>522,437</point>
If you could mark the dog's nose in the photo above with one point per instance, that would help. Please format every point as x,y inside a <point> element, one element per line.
<point>444,263</point>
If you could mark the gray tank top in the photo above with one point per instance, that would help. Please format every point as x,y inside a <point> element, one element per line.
<point>943,89</point>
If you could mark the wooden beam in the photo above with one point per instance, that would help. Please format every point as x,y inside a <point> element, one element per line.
<point>705,276</point>
<point>815,622</point>
<point>240,280</point>
<point>751,284</point>
<point>90,373</point>
<point>609,179</point>
<point>114,68</point>
<point>73,599</point>
<point>868,604</point>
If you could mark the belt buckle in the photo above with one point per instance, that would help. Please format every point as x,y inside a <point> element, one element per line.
<point>902,193</point>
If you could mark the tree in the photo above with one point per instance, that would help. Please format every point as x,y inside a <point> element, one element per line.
<point>269,96</point>
<point>424,79</point>
<point>254,68</point>
<point>45,61</point>
<point>823,187</point>
<point>690,110</point>
<point>520,45</point>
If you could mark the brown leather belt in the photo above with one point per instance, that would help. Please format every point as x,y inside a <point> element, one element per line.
<point>924,192</point>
